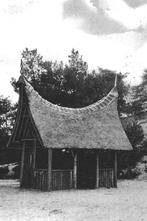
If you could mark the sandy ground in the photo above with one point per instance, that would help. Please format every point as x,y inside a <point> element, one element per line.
<point>126,203</point>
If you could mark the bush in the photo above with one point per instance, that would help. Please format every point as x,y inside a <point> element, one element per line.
<point>139,170</point>
<point>128,173</point>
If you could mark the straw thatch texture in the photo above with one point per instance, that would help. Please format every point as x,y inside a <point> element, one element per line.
<point>94,127</point>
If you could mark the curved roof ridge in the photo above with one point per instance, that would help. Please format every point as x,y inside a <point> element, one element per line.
<point>100,104</point>
<point>96,126</point>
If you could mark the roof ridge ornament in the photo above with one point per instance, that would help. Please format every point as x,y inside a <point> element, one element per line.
<point>100,104</point>
<point>22,79</point>
<point>21,65</point>
<point>115,82</point>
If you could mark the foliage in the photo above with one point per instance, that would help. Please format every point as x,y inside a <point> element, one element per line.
<point>7,117</point>
<point>139,94</point>
<point>70,85</point>
<point>135,134</point>
<point>140,168</point>
<point>127,160</point>
<point>5,105</point>
<point>31,65</point>
<point>133,170</point>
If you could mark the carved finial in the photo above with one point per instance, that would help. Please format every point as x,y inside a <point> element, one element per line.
<point>115,83</point>
<point>21,65</point>
<point>21,78</point>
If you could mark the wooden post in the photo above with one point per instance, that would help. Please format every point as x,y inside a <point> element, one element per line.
<point>33,164</point>
<point>22,163</point>
<point>49,169</point>
<point>115,169</point>
<point>34,155</point>
<point>97,170</point>
<point>75,171</point>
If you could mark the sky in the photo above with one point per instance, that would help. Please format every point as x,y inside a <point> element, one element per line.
<point>109,34</point>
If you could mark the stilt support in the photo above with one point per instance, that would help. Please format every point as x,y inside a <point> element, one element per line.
<point>75,171</point>
<point>115,169</point>
<point>97,170</point>
<point>49,169</point>
<point>34,154</point>
<point>22,163</point>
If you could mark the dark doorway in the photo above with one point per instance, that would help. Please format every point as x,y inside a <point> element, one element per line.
<point>86,172</point>
<point>62,159</point>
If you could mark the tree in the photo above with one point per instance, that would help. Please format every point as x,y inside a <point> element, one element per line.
<point>135,134</point>
<point>70,85</point>
<point>7,117</point>
<point>139,95</point>
<point>31,64</point>
<point>103,81</point>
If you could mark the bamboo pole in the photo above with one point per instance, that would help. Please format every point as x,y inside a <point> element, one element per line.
<point>75,171</point>
<point>97,170</point>
<point>49,169</point>
<point>22,163</point>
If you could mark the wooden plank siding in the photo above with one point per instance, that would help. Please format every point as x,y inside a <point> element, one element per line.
<point>61,179</point>
<point>40,179</point>
<point>106,178</point>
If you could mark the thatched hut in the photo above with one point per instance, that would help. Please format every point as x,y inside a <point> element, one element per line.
<point>64,148</point>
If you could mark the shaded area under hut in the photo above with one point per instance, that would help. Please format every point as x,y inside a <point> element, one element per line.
<point>65,148</point>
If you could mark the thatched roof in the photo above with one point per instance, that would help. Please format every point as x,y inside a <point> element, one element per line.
<point>96,126</point>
